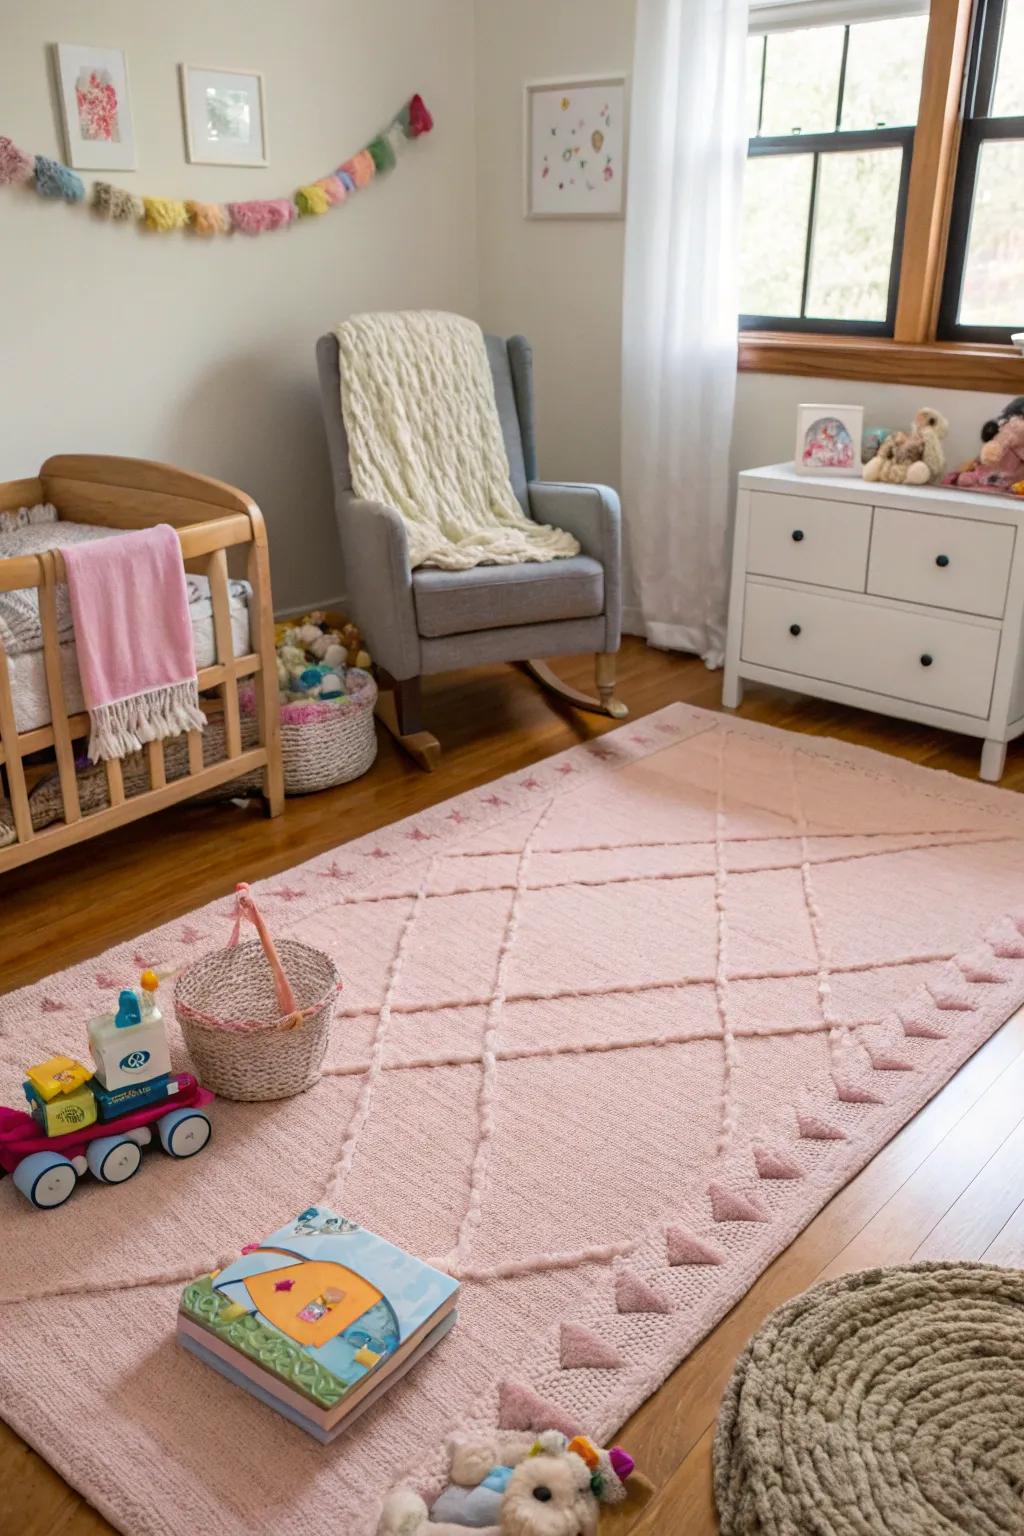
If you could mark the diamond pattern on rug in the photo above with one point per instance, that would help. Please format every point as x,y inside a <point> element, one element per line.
<point>612,1030</point>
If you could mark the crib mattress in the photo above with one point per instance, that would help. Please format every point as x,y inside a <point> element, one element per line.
<point>19,621</point>
<point>28,672</point>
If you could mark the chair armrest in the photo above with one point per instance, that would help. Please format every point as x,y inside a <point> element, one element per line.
<point>378,580</point>
<point>591,513</point>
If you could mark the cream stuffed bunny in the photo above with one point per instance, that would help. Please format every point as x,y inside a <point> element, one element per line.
<point>528,1485</point>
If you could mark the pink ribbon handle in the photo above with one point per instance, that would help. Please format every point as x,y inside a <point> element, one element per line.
<point>246,907</point>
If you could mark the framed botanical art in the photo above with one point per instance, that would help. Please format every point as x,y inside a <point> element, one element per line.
<point>575,148</point>
<point>92,84</point>
<point>225,116</point>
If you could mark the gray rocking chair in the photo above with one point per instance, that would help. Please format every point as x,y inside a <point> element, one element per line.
<point>417,622</point>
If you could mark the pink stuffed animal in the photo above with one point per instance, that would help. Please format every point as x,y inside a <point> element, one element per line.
<point>1000,464</point>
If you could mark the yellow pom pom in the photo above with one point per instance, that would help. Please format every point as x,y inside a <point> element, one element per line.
<point>312,199</point>
<point>165,213</point>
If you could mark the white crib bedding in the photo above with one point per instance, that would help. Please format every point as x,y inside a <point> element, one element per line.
<point>25,664</point>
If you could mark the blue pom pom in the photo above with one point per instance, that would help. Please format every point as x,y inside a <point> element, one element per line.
<point>56,180</point>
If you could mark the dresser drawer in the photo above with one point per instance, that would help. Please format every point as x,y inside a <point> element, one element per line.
<point>878,649</point>
<point>808,538</point>
<point>948,562</point>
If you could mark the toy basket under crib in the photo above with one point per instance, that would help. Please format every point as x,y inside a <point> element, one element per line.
<point>255,1017</point>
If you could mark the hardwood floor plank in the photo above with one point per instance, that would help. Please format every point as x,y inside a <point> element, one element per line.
<point>492,721</point>
<point>974,1221</point>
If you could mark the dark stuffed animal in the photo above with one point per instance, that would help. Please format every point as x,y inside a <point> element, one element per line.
<point>1015,408</point>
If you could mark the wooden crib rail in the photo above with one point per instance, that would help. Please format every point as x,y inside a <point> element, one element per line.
<point>210,519</point>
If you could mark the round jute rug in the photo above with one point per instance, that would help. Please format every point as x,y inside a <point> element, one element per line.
<point>888,1403</point>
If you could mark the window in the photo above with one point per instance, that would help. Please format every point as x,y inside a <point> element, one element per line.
<point>832,109</point>
<point>983,295</point>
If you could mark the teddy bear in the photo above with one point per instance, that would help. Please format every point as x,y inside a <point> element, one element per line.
<point>517,1484</point>
<point>914,457</point>
<point>999,466</point>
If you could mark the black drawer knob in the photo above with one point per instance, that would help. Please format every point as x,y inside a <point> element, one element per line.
<point>942,560</point>
<point>797,535</point>
<point>926,660</point>
<point>794,629</point>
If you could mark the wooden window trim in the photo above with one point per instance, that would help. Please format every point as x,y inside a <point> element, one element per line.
<point>912,356</point>
<point>936,364</point>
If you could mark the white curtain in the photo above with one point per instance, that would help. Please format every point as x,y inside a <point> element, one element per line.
<point>688,137</point>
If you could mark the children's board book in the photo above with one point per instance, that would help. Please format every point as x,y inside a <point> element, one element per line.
<point>318,1320</point>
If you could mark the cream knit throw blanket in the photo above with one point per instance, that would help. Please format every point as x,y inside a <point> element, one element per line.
<point>424,437</point>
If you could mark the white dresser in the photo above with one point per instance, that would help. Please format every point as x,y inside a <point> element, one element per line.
<point>908,600</point>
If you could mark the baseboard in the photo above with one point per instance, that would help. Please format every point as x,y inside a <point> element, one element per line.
<point>324,604</point>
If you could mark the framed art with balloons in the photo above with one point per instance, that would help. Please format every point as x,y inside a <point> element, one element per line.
<point>575,148</point>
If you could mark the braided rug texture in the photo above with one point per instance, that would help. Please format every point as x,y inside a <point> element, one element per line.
<point>887,1403</point>
<point>613,1029</point>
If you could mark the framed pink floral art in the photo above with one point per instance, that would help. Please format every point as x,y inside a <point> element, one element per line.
<point>93,89</point>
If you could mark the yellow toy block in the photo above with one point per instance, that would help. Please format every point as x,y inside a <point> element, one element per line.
<point>366,1356</point>
<point>71,1112</point>
<point>59,1074</point>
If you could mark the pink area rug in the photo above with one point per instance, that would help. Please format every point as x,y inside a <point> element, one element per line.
<point>613,1031</point>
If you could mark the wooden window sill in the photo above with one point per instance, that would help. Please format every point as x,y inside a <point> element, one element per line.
<point>938,364</point>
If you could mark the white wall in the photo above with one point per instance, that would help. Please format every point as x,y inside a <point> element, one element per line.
<point>561,282</point>
<point>557,282</point>
<point>201,352</point>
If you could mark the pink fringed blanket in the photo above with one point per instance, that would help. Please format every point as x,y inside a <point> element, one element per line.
<point>613,1030</point>
<point>134,640</point>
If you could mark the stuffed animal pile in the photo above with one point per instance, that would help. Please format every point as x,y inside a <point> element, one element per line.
<point>914,457</point>
<point>313,657</point>
<point>517,1484</point>
<point>999,466</point>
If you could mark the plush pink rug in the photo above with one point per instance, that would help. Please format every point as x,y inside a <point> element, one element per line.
<point>613,1030</point>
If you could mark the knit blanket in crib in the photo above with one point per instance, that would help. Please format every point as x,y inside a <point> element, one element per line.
<point>424,437</point>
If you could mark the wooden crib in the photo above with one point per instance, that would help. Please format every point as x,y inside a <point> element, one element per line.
<point>210,518</point>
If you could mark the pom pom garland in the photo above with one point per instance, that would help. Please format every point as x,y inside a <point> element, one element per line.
<point>56,180</point>
<point>381,152</point>
<point>361,168</point>
<point>420,120</point>
<point>311,200</point>
<point>263,214</point>
<point>115,203</point>
<point>208,218</point>
<point>15,165</point>
<point>164,214</point>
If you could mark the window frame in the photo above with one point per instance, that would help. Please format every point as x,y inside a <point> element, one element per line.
<point>914,355</point>
<point>978,129</point>
<point>836,140</point>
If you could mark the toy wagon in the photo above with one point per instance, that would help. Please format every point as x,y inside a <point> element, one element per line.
<point>98,1122</point>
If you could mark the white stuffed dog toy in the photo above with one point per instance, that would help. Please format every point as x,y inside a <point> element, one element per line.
<point>535,1485</point>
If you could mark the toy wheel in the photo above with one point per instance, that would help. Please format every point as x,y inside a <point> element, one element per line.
<point>45,1179</point>
<point>113,1159</point>
<point>184,1132</point>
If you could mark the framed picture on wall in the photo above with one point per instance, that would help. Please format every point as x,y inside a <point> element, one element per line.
<point>225,115</point>
<point>92,84</point>
<point>575,148</point>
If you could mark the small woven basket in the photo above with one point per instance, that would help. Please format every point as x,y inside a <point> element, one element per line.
<point>329,741</point>
<point>256,1019</point>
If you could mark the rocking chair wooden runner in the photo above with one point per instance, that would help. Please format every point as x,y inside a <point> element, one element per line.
<point>417,622</point>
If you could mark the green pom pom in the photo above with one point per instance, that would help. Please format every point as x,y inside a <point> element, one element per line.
<point>382,153</point>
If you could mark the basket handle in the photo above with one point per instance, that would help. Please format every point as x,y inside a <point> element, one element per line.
<point>246,907</point>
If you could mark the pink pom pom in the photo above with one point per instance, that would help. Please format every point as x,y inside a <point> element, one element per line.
<point>332,187</point>
<point>256,217</point>
<point>15,165</point>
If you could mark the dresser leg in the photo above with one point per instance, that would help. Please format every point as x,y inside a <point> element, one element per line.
<point>732,691</point>
<point>993,760</point>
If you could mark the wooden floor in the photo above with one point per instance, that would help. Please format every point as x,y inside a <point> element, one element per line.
<point>948,1186</point>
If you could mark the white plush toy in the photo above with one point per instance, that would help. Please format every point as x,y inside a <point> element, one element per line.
<point>523,1484</point>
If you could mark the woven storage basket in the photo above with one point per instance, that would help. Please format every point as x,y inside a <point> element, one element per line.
<point>328,741</point>
<point>256,1019</point>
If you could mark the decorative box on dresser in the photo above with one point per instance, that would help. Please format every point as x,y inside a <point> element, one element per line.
<point>904,599</point>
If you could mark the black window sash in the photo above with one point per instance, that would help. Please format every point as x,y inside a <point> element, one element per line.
<point>818,145</point>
